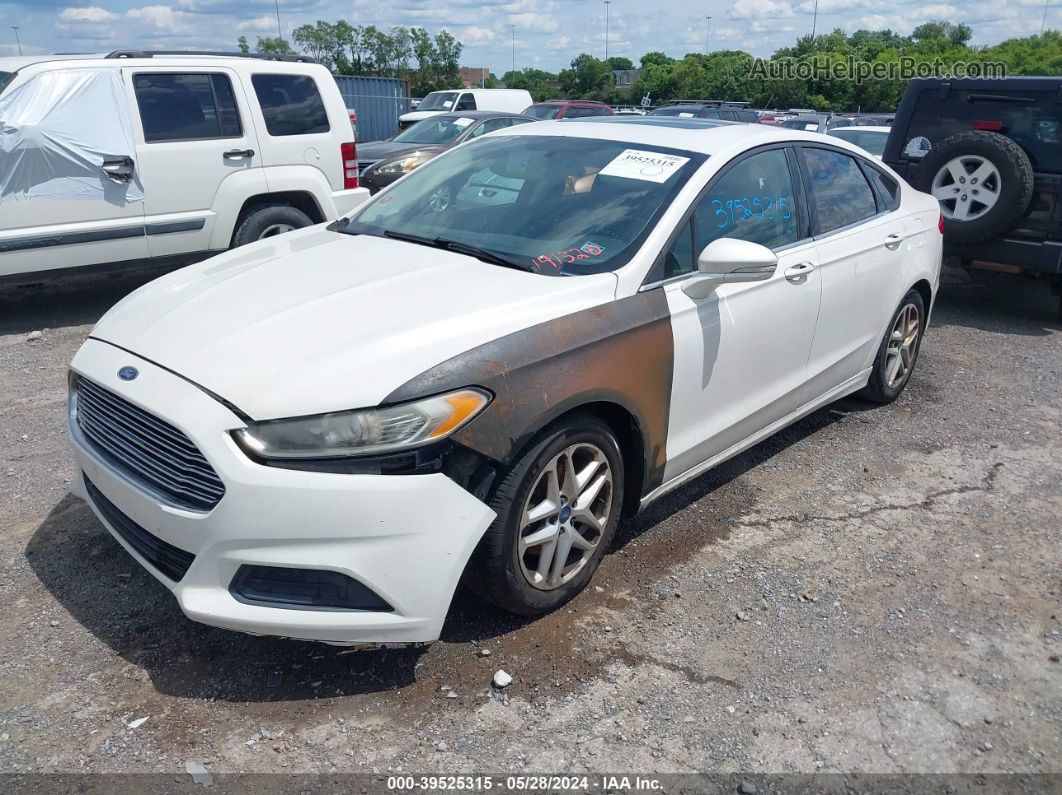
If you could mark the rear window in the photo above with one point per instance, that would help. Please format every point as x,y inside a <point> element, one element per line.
<point>186,107</point>
<point>1031,118</point>
<point>680,110</point>
<point>542,111</point>
<point>291,104</point>
<point>5,78</point>
<point>871,140</point>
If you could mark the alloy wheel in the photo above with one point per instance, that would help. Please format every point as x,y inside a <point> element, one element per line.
<point>564,516</point>
<point>967,187</point>
<point>275,229</point>
<point>903,344</point>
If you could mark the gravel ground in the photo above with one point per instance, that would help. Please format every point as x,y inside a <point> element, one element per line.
<point>876,589</point>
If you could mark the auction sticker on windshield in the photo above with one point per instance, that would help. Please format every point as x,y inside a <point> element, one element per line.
<point>648,166</point>
<point>462,122</point>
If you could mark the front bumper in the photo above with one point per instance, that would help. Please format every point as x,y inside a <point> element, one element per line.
<point>405,537</point>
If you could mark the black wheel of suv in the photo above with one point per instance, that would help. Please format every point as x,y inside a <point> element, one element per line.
<point>898,351</point>
<point>983,180</point>
<point>270,221</point>
<point>558,507</point>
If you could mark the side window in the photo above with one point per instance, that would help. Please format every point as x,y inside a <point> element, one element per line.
<point>291,104</point>
<point>185,107</point>
<point>490,125</point>
<point>888,188</point>
<point>709,114</point>
<point>729,115</point>
<point>753,200</point>
<point>840,193</point>
<point>466,102</point>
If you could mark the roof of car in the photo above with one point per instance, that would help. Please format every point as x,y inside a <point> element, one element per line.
<point>119,58</point>
<point>570,102</point>
<point>476,114</point>
<point>697,135</point>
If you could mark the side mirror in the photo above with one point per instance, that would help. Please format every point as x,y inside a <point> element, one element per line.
<point>725,261</point>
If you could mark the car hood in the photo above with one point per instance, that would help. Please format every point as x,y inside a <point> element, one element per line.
<point>388,150</point>
<point>315,321</point>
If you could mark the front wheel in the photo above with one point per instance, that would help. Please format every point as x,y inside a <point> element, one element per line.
<point>557,510</point>
<point>269,221</point>
<point>898,351</point>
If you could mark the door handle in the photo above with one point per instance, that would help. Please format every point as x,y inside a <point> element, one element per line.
<point>893,241</point>
<point>120,169</point>
<point>234,154</point>
<point>798,272</point>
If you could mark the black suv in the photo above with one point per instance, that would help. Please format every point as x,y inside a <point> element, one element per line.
<point>708,109</point>
<point>991,151</point>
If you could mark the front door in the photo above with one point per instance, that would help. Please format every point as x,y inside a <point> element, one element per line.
<point>59,206</point>
<point>194,137</point>
<point>741,353</point>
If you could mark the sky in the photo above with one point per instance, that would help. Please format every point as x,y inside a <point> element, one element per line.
<point>549,33</point>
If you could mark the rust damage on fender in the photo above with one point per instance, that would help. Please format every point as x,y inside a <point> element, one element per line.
<point>621,352</point>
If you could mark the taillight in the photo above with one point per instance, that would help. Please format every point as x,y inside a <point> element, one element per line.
<point>940,223</point>
<point>349,154</point>
<point>988,124</point>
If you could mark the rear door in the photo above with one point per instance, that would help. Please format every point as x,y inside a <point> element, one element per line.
<point>58,211</point>
<point>861,245</point>
<point>194,139</point>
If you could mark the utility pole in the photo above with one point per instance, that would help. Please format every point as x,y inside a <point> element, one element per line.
<point>514,48</point>
<point>1043,22</point>
<point>707,27</point>
<point>815,19</point>
<point>19,43</point>
<point>607,4</point>
<point>280,30</point>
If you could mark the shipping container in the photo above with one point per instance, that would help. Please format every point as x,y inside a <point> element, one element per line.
<point>377,101</point>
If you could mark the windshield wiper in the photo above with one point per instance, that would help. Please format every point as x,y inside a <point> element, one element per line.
<point>460,248</point>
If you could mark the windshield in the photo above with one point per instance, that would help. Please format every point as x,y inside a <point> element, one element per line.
<point>5,78</point>
<point>871,140</point>
<point>542,111</point>
<point>549,204</point>
<point>436,130</point>
<point>438,100</point>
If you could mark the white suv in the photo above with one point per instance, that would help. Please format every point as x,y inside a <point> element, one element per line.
<point>139,158</point>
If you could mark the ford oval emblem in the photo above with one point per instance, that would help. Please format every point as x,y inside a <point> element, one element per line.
<point>128,373</point>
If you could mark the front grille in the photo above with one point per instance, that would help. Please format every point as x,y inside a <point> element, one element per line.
<point>146,449</point>
<point>168,559</point>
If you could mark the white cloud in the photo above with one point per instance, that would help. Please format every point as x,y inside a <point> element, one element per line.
<point>474,35</point>
<point>87,14</point>
<point>836,6</point>
<point>266,23</point>
<point>770,27</point>
<point>160,16</point>
<point>537,23</point>
<point>761,9</point>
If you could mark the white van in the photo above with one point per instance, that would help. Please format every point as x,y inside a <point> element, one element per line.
<point>506,100</point>
<point>139,158</point>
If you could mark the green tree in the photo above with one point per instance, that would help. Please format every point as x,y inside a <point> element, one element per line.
<point>273,45</point>
<point>619,62</point>
<point>587,78</point>
<point>243,45</point>
<point>319,41</point>
<point>535,81</point>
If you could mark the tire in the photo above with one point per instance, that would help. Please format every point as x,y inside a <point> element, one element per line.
<point>268,221</point>
<point>882,387</point>
<point>977,211</point>
<point>505,575</point>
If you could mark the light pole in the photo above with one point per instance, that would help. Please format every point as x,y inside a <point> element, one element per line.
<point>280,30</point>
<point>815,19</point>
<point>1043,22</point>
<point>514,48</point>
<point>19,43</point>
<point>607,4</point>
<point>707,27</point>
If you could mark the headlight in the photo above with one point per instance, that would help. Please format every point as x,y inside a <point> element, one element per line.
<point>348,433</point>
<point>402,165</point>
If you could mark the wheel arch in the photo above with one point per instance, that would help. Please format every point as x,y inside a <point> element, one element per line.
<point>300,200</point>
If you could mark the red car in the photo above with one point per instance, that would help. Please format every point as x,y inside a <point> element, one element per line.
<point>567,109</point>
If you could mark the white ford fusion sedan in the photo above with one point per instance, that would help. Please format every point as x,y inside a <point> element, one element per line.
<point>490,363</point>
